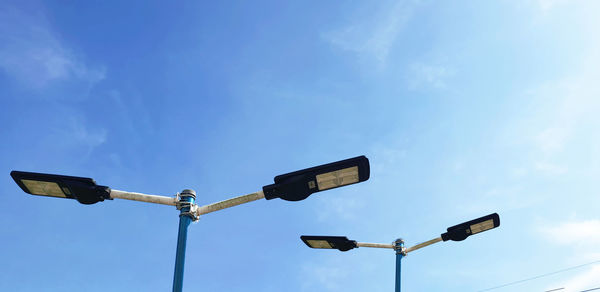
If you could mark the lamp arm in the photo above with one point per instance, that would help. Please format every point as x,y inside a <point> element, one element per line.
<point>374,245</point>
<point>229,203</point>
<point>424,244</point>
<point>116,194</point>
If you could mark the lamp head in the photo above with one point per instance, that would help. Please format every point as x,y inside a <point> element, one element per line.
<point>340,243</point>
<point>462,231</point>
<point>298,185</point>
<point>82,189</point>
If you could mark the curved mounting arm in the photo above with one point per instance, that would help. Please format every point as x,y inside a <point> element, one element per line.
<point>198,210</point>
<point>421,245</point>
<point>171,201</point>
<point>404,250</point>
<point>229,203</point>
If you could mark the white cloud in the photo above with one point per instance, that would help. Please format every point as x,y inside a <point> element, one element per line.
<point>327,277</point>
<point>388,155</point>
<point>552,140</point>
<point>577,233</point>
<point>338,208</point>
<point>34,55</point>
<point>547,5</point>
<point>550,168</point>
<point>505,198</point>
<point>72,135</point>
<point>518,172</point>
<point>428,75</point>
<point>583,237</point>
<point>562,132</point>
<point>581,282</point>
<point>83,136</point>
<point>564,121</point>
<point>376,35</point>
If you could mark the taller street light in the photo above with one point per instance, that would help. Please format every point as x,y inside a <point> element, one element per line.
<point>455,233</point>
<point>294,186</point>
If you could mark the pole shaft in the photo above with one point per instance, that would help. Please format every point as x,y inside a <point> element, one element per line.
<point>399,247</point>
<point>184,222</point>
<point>186,201</point>
<point>398,270</point>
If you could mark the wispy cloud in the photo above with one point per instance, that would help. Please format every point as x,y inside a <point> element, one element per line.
<point>34,55</point>
<point>427,75</point>
<point>72,134</point>
<point>552,139</point>
<point>338,208</point>
<point>582,236</point>
<point>375,35</point>
<point>588,279</point>
<point>562,133</point>
<point>585,232</point>
<point>324,276</point>
<point>547,5</point>
<point>550,168</point>
<point>562,124</point>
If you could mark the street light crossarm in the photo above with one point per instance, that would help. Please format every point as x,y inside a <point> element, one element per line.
<point>229,203</point>
<point>423,244</point>
<point>117,194</point>
<point>375,245</point>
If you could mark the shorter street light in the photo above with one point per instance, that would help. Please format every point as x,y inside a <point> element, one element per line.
<point>294,186</point>
<point>455,233</point>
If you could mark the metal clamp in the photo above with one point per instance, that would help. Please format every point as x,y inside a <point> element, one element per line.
<point>192,213</point>
<point>187,208</point>
<point>399,246</point>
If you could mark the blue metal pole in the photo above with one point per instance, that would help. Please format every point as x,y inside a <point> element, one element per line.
<point>187,199</point>
<point>399,246</point>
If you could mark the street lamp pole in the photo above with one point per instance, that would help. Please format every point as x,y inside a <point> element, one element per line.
<point>293,186</point>
<point>399,248</point>
<point>187,199</point>
<point>455,233</point>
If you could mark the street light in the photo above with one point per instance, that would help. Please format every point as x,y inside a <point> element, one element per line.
<point>340,243</point>
<point>298,185</point>
<point>294,186</point>
<point>82,189</point>
<point>456,233</point>
<point>461,231</point>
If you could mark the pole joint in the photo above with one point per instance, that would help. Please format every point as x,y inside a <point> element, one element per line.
<point>399,246</point>
<point>186,203</point>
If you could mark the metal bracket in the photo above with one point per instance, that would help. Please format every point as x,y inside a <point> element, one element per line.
<point>399,246</point>
<point>177,200</point>
<point>191,214</point>
<point>192,209</point>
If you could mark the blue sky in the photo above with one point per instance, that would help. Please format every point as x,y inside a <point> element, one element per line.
<point>464,109</point>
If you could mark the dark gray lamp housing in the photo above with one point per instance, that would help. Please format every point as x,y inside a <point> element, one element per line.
<point>462,231</point>
<point>340,243</point>
<point>82,189</point>
<point>298,185</point>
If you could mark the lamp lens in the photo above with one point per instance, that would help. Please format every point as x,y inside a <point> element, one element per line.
<point>319,243</point>
<point>337,178</point>
<point>483,226</point>
<point>44,188</point>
